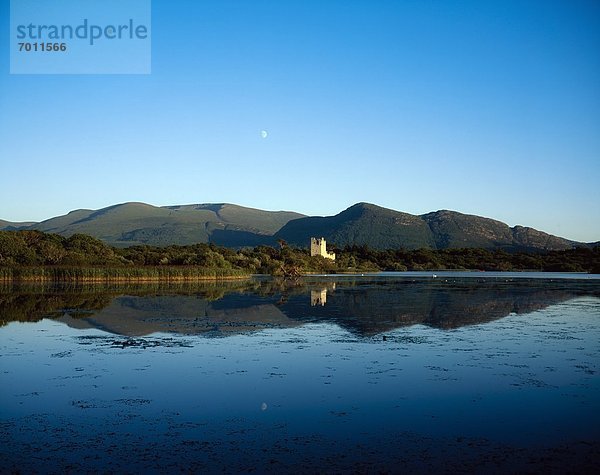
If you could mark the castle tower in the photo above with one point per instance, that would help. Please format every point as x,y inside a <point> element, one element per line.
<point>318,247</point>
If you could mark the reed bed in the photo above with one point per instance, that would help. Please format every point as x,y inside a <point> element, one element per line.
<point>119,274</point>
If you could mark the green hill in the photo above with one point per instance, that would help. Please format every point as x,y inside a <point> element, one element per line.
<point>363,223</point>
<point>130,224</point>
<point>383,228</point>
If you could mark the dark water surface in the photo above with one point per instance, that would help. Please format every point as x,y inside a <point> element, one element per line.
<point>329,374</point>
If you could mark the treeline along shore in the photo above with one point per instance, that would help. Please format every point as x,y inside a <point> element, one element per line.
<point>38,256</point>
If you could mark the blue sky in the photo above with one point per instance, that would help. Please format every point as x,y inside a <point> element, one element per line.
<point>488,108</point>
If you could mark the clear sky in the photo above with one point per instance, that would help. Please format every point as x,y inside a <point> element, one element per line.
<point>483,107</point>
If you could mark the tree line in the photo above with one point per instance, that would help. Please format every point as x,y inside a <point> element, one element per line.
<point>35,249</point>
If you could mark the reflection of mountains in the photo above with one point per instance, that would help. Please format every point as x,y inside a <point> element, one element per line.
<point>136,316</point>
<point>378,307</point>
<point>363,307</point>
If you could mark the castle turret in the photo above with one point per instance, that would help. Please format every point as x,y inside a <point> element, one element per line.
<point>318,247</point>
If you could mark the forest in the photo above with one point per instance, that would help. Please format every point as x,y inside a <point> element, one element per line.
<point>46,255</point>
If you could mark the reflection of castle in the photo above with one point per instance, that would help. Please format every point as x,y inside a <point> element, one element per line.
<point>318,247</point>
<point>319,297</point>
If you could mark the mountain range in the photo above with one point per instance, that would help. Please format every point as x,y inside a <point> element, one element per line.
<point>231,225</point>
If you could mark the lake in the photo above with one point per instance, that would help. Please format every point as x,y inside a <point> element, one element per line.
<point>467,372</point>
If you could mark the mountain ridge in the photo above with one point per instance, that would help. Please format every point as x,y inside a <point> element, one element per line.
<point>382,228</point>
<point>12,225</point>
<point>137,223</point>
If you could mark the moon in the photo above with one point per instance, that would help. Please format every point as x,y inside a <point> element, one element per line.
<point>264,134</point>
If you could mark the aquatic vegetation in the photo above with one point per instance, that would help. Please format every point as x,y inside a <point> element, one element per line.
<point>118,274</point>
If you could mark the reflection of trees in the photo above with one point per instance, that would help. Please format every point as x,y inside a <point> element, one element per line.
<point>28,307</point>
<point>362,306</point>
<point>31,303</point>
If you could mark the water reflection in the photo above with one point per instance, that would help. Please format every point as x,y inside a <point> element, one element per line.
<point>319,297</point>
<point>347,375</point>
<point>365,306</point>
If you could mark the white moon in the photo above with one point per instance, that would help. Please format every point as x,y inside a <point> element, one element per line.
<point>264,134</point>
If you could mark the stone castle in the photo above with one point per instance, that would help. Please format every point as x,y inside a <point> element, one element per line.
<point>318,247</point>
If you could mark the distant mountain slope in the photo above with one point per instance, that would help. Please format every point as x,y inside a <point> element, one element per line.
<point>382,228</point>
<point>10,226</point>
<point>231,225</point>
<point>529,238</point>
<point>363,223</point>
<point>453,229</point>
<point>129,224</point>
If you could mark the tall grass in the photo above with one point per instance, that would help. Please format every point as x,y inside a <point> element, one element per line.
<point>118,274</point>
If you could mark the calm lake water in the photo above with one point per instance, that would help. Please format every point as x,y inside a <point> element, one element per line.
<point>380,373</point>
